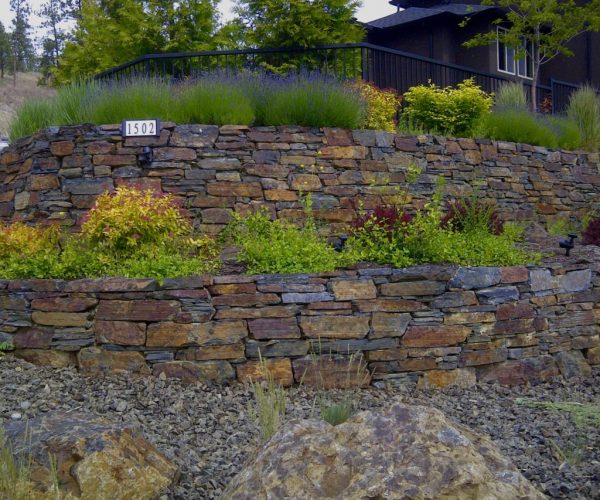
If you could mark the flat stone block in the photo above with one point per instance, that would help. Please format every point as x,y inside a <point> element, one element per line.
<point>338,327</point>
<point>190,372</point>
<point>253,371</point>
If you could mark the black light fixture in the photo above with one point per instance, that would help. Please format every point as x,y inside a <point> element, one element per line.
<point>146,157</point>
<point>568,244</point>
<point>340,243</point>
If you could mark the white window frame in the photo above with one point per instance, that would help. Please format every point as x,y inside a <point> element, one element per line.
<point>510,58</point>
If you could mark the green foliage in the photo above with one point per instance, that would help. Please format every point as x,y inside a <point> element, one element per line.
<point>584,414</point>
<point>6,346</point>
<point>209,101</point>
<point>111,32</point>
<point>139,99</point>
<point>511,96</point>
<point>298,23</point>
<point>135,234</point>
<point>251,98</point>
<point>31,117</point>
<point>584,111</point>
<point>561,226</point>
<point>313,101</point>
<point>547,25</point>
<point>518,126</point>
<point>337,413</point>
<point>382,107</point>
<point>5,51</point>
<point>425,239</point>
<point>270,400</point>
<point>455,111</point>
<point>278,246</point>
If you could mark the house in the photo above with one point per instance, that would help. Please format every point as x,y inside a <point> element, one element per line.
<point>431,28</point>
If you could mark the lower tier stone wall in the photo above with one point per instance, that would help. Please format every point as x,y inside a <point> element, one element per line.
<point>438,324</point>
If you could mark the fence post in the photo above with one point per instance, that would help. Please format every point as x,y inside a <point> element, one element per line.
<point>364,56</point>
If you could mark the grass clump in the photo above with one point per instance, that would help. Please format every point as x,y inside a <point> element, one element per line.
<point>511,96</point>
<point>270,401</point>
<point>31,117</point>
<point>584,111</point>
<point>337,413</point>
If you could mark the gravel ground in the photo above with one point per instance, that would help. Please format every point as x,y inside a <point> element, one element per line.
<point>207,431</point>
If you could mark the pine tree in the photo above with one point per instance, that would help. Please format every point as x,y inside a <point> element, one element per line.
<point>53,14</point>
<point>22,46</point>
<point>5,51</point>
<point>299,23</point>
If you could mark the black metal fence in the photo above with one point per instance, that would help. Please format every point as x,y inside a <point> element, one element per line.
<point>385,67</point>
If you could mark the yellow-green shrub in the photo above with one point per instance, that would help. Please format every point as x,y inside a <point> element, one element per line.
<point>382,107</point>
<point>453,111</point>
<point>130,218</point>
<point>23,240</point>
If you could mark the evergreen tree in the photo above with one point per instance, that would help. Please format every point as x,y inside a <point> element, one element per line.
<point>53,14</point>
<point>5,51</point>
<point>22,47</point>
<point>299,23</point>
<point>187,25</point>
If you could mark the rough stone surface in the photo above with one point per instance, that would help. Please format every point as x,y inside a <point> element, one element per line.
<point>354,461</point>
<point>95,458</point>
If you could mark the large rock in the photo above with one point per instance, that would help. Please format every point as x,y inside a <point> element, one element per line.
<point>409,452</point>
<point>94,457</point>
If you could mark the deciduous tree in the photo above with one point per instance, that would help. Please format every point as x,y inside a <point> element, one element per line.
<point>549,25</point>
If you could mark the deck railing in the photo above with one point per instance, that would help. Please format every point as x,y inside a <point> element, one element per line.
<point>385,67</point>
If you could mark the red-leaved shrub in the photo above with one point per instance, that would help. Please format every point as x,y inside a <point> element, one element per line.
<point>468,214</point>
<point>386,217</point>
<point>591,235</point>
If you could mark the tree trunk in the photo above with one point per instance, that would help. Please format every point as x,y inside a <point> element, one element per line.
<point>534,82</point>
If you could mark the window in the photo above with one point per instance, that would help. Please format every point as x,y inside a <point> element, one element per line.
<point>508,63</point>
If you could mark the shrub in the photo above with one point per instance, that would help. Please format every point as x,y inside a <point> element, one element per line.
<point>455,111</point>
<point>465,237</point>
<point>382,107</point>
<point>312,100</point>
<point>134,99</point>
<point>566,131</point>
<point>591,234</point>
<point>471,214</point>
<point>212,101</point>
<point>278,246</point>
<point>518,126</point>
<point>511,96</point>
<point>584,111</point>
<point>130,218</point>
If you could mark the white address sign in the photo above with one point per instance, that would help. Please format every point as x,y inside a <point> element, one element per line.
<point>140,128</point>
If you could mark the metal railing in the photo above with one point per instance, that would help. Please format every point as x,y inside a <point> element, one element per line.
<point>385,67</point>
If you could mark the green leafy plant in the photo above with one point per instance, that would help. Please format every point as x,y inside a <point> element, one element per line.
<point>455,111</point>
<point>279,246</point>
<point>270,401</point>
<point>584,111</point>
<point>561,226</point>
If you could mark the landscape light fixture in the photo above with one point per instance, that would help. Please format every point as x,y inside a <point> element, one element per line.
<point>568,244</point>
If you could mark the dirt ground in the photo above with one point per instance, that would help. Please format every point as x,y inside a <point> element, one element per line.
<point>12,97</point>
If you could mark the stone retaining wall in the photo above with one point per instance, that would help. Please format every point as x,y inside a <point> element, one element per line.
<point>439,324</point>
<point>56,174</point>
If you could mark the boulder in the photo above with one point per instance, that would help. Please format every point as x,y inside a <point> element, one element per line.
<point>94,457</point>
<point>408,452</point>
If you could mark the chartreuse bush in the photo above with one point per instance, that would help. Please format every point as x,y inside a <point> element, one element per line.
<point>382,107</point>
<point>453,111</point>
<point>129,233</point>
<point>279,246</point>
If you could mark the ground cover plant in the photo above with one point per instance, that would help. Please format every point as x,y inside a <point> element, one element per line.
<point>129,233</point>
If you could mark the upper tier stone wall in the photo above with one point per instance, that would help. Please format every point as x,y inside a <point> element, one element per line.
<point>56,174</point>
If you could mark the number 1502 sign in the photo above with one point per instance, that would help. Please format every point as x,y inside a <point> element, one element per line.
<point>140,128</point>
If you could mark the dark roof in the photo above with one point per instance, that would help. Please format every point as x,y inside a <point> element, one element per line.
<point>417,13</point>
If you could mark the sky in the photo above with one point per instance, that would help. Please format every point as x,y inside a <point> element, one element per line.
<point>371,9</point>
